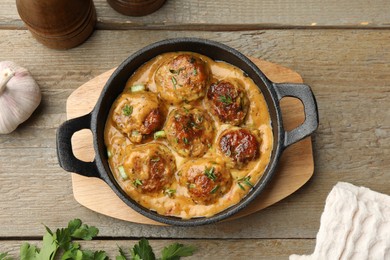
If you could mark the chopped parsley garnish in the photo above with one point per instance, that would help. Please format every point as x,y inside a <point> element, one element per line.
<point>137,182</point>
<point>185,140</point>
<point>214,190</point>
<point>192,185</point>
<point>209,172</point>
<point>246,181</point>
<point>227,100</point>
<point>127,110</point>
<point>195,72</point>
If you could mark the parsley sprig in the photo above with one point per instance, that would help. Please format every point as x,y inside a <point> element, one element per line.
<point>60,245</point>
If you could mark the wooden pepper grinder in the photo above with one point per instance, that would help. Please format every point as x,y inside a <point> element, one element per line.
<point>58,24</point>
<point>136,7</point>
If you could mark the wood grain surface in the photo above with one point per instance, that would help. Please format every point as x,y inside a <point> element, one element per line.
<point>229,15</point>
<point>347,70</point>
<point>347,67</point>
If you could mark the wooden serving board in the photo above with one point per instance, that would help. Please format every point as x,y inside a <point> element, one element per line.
<point>295,167</point>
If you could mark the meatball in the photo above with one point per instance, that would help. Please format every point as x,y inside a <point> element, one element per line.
<point>240,145</point>
<point>228,101</point>
<point>137,114</point>
<point>206,181</point>
<point>150,167</point>
<point>182,78</point>
<point>189,131</point>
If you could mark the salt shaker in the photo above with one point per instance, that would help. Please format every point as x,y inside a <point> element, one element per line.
<point>58,24</point>
<point>136,7</point>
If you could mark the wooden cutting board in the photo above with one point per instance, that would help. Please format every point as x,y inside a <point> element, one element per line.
<point>295,167</point>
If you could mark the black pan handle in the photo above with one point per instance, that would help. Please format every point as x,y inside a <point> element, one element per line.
<point>304,93</point>
<point>65,154</point>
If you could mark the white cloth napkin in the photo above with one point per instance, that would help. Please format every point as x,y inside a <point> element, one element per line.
<point>355,224</point>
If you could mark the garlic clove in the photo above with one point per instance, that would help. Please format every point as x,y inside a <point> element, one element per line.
<point>19,96</point>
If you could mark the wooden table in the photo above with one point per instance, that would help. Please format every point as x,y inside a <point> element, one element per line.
<point>341,49</point>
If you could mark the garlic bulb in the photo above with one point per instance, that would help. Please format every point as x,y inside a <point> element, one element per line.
<point>19,96</point>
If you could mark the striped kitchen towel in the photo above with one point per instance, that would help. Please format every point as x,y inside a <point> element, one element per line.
<point>355,224</point>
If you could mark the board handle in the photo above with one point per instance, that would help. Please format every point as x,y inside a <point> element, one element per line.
<point>65,155</point>
<point>304,93</point>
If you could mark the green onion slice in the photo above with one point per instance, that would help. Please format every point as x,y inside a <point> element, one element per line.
<point>123,173</point>
<point>160,134</point>
<point>138,87</point>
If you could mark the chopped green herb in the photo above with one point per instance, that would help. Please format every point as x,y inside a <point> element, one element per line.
<point>127,110</point>
<point>192,185</point>
<point>122,173</point>
<point>227,100</point>
<point>240,185</point>
<point>246,181</point>
<point>195,72</point>
<point>137,182</point>
<point>155,159</point>
<point>185,140</point>
<point>138,87</point>
<point>209,172</point>
<point>214,190</point>
<point>174,82</point>
<point>160,134</point>
<point>169,192</point>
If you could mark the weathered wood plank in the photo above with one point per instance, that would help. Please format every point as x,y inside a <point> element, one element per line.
<point>229,15</point>
<point>349,74</point>
<point>271,249</point>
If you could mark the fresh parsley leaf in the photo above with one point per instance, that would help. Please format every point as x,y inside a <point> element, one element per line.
<point>49,247</point>
<point>85,232</point>
<point>122,254</point>
<point>4,256</point>
<point>176,250</point>
<point>127,110</point>
<point>143,250</point>
<point>28,252</point>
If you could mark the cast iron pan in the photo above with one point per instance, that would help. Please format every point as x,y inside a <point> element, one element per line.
<point>95,121</point>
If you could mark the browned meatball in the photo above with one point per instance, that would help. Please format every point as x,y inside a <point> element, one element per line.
<point>150,167</point>
<point>206,181</point>
<point>182,78</point>
<point>228,101</point>
<point>137,114</point>
<point>189,131</point>
<point>240,145</point>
